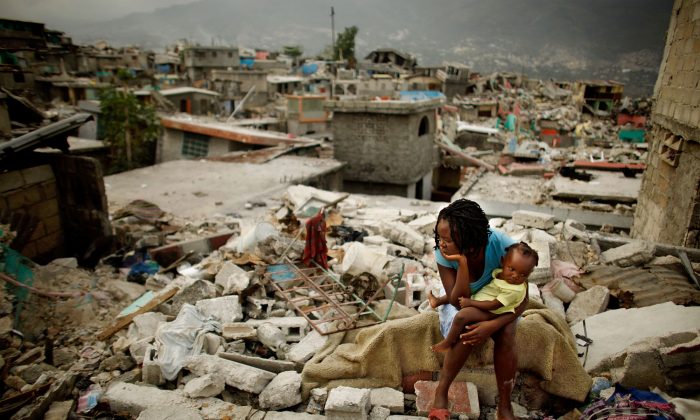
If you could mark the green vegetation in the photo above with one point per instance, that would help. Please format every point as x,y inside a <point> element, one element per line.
<point>345,46</point>
<point>130,129</point>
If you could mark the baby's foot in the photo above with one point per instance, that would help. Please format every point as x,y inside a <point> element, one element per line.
<point>441,347</point>
<point>432,300</point>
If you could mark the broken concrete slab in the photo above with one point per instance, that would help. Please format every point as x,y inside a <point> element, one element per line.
<point>291,415</point>
<point>387,397</point>
<point>194,292</point>
<point>379,413</point>
<point>424,224</point>
<point>462,397</point>
<point>150,368</point>
<point>542,274</point>
<point>588,303</point>
<point>283,391</point>
<point>533,219</point>
<point>134,399</point>
<point>209,385</point>
<point>615,330</point>
<point>402,234</point>
<point>238,331</point>
<point>607,186</point>
<point>59,410</point>
<point>235,374</point>
<point>553,303</point>
<point>225,309</point>
<point>307,347</point>
<point>145,325</point>
<point>270,365</point>
<point>348,403</point>
<point>169,413</point>
<point>634,253</point>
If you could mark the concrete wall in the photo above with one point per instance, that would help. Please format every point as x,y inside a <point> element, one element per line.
<point>668,208</point>
<point>380,143</point>
<point>170,146</point>
<point>33,193</point>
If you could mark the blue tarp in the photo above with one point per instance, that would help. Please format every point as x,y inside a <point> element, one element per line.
<point>420,95</point>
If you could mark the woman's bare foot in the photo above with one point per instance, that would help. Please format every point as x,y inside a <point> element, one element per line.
<point>505,411</point>
<point>441,347</point>
<point>432,300</point>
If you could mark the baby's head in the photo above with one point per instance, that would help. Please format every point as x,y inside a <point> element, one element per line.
<point>518,263</point>
<point>462,228</point>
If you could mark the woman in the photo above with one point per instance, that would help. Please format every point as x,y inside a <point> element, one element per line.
<point>463,230</point>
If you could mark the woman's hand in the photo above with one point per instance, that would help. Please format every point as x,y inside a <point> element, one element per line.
<point>464,302</point>
<point>479,332</point>
<point>456,257</point>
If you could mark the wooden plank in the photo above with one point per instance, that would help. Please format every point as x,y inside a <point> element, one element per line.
<point>123,322</point>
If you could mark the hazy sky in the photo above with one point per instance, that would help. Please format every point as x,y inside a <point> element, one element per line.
<point>56,11</point>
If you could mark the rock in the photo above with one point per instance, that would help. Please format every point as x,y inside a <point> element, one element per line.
<point>63,357</point>
<point>232,278</point>
<point>196,291</point>
<point>209,385</point>
<point>348,403</point>
<point>636,252</point>
<point>138,349</point>
<point>59,410</point>
<point>32,372</point>
<point>533,219</point>
<point>237,375</point>
<point>145,325</point>
<point>307,347</point>
<point>224,309</point>
<point>283,391</point>
<point>588,303</point>
<point>404,235</point>
<point>117,362</point>
<point>379,413</point>
<point>387,397</point>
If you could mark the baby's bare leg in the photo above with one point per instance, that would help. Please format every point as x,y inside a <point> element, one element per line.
<point>464,317</point>
<point>436,301</point>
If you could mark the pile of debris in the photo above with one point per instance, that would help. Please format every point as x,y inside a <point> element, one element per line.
<point>227,324</point>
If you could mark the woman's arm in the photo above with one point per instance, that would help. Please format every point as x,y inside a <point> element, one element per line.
<point>482,330</point>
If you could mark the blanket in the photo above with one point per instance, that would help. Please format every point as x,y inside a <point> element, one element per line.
<point>381,355</point>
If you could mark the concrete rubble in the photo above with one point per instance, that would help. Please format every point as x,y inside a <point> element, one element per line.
<point>253,343</point>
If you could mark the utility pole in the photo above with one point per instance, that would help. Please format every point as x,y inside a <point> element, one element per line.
<point>333,32</point>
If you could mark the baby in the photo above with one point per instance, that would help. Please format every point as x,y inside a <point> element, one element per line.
<point>503,294</point>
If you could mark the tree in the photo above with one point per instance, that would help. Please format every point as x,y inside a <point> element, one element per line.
<point>130,129</point>
<point>294,51</point>
<point>345,46</point>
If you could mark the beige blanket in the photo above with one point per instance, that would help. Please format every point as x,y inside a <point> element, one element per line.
<point>383,354</point>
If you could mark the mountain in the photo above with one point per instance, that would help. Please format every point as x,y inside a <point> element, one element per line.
<point>611,39</point>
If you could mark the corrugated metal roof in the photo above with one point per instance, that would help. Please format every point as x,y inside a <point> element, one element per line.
<point>638,287</point>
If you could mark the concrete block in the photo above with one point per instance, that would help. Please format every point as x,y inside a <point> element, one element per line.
<point>348,403</point>
<point>293,327</point>
<point>307,347</point>
<point>238,331</point>
<point>542,274</point>
<point>213,343</point>
<point>588,303</point>
<point>11,181</point>
<point>571,231</point>
<point>137,349</point>
<point>615,330</point>
<point>404,235</point>
<point>424,224</point>
<point>270,365</point>
<point>462,397</point>
<point>259,307</point>
<point>209,385</point>
<point>641,368</point>
<point>554,303</point>
<point>150,369</point>
<point>537,235</point>
<point>387,397</point>
<point>534,293</point>
<point>232,278</point>
<point>634,253</point>
<point>376,240</point>
<point>237,375</point>
<point>283,391</point>
<point>225,309</point>
<point>533,219</point>
<point>37,174</point>
<point>379,413</point>
<point>496,222</point>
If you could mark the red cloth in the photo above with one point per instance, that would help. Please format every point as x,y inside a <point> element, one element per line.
<point>316,248</point>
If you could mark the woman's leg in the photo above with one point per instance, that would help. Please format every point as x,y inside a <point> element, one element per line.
<point>454,360</point>
<point>505,360</point>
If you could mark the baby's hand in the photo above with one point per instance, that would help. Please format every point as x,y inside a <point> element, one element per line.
<point>464,302</point>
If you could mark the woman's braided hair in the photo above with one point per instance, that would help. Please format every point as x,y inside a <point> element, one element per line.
<point>469,226</point>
